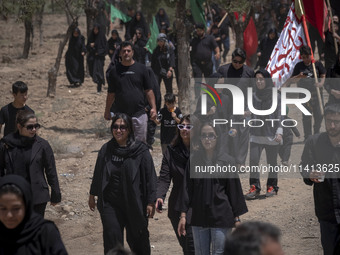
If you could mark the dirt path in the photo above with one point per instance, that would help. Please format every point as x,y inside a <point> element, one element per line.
<point>72,122</point>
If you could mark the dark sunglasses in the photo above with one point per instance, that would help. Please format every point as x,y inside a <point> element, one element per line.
<point>238,62</point>
<point>31,126</point>
<point>208,136</point>
<point>187,127</point>
<point>121,127</point>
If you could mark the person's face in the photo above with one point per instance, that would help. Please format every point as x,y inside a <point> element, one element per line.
<point>75,34</point>
<point>336,18</point>
<point>138,16</point>
<point>208,138</point>
<point>271,36</point>
<point>127,53</point>
<point>170,106</point>
<point>29,129</point>
<point>120,132</point>
<point>185,131</point>
<point>161,12</point>
<point>260,81</point>
<point>215,30</point>
<point>114,36</point>
<point>200,32</point>
<point>95,30</point>
<point>332,123</point>
<point>237,62</point>
<point>20,98</point>
<point>272,247</point>
<point>307,59</point>
<point>160,43</point>
<point>12,210</point>
<point>139,34</point>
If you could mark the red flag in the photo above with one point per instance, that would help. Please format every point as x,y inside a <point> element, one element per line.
<point>250,41</point>
<point>314,11</point>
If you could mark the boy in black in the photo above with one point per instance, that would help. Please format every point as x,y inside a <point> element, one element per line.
<point>8,113</point>
<point>169,116</point>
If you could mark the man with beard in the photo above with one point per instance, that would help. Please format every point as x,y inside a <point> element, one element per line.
<point>129,83</point>
<point>320,168</point>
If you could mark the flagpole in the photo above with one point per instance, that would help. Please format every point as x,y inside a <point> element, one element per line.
<point>332,22</point>
<point>312,55</point>
<point>224,17</point>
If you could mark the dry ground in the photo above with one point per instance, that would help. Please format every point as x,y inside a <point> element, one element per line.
<point>72,122</point>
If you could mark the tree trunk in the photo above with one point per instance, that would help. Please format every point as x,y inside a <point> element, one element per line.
<point>53,72</point>
<point>139,5</point>
<point>184,67</point>
<point>69,19</point>
<point>40,13</point>
<point>28,30</point>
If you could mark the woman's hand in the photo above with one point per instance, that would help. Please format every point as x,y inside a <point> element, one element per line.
<point>169,74</point>
<point>159,202</point>
<point>92,203</point>
<point>278,138</point>
<point>181,225</point>
<point>150,211</point>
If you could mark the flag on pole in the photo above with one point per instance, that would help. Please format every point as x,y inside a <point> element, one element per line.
<point>152,42</point>
<point>117,14</point>
<point>315,14</point>
<point>197,11</point>
<point>286,53</point>
<point>250,41</point>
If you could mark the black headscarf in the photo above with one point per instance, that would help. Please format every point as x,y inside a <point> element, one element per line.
<point>266,93</point>
<point>162,18</point>
<point>138,24</point>
<point>76,44</point>
<point>16,240</point>
<point>99,40</point>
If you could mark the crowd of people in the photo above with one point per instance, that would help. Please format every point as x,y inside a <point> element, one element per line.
<point>125,188</point>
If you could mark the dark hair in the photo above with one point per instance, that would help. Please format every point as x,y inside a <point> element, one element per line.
<point>305,50</point>
<point>249,237</point>
<point>23,116</point>
<point>19,86</point>
<point>200,26</point>
<point>11,188</point>
<point>114,31</point>
<point>238,52</point>
<point>214,27</point>
<point>128,122</point>
<point>126,44</point>
<point>169,98</point>
<point>178,139</point>
<point>332,109</point>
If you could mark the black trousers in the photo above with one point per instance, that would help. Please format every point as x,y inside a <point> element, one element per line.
<point>187,241</point>
<point>286,147</point>
<point>255,155</point>
<point>199,69</point>
<point>40,209</point>
<point>151,130</point>
<point>167,83</point>
<point>330,237</point>
<point>114,221</point>
<point>313,107</point>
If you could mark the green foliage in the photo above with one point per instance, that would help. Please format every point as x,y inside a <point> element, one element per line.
<point>240,6</point>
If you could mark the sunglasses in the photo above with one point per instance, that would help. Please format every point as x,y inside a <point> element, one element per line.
<point>208,136</point>
<point>121,127</point>
<point>238,62</point>
<point>182,126</point>
<point>31,126</point>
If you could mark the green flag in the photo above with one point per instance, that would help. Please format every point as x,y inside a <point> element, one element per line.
<point>152,42</point>
<point>197,11</point>
<point>117,14</point>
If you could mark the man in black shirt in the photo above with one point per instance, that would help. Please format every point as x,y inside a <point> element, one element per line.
<point>320,168</point>
<point>304,76</point>
<point>202,47</point>
<point>8,113</point>
<point>129,82</point>
<point>241,75</point>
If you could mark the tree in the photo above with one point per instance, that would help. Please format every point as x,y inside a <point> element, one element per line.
<point>72,8</point>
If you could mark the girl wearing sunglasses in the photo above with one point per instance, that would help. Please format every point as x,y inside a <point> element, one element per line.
<point>173,169</point>
<point>25,153</point>
<point>216,201</point>
<point>124,183</point>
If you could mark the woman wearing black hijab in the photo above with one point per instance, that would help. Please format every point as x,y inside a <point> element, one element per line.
<point>264,135</point>
<point>266,47</point>
<point>97,50</point>
<point>139,43</point>
<point>26,154</point>
<point>74,58</point>
<point>162,20</point>
<point>113,42</point>
<point>138,21</point>
<point>124,181</point>
<point>22,231</point>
